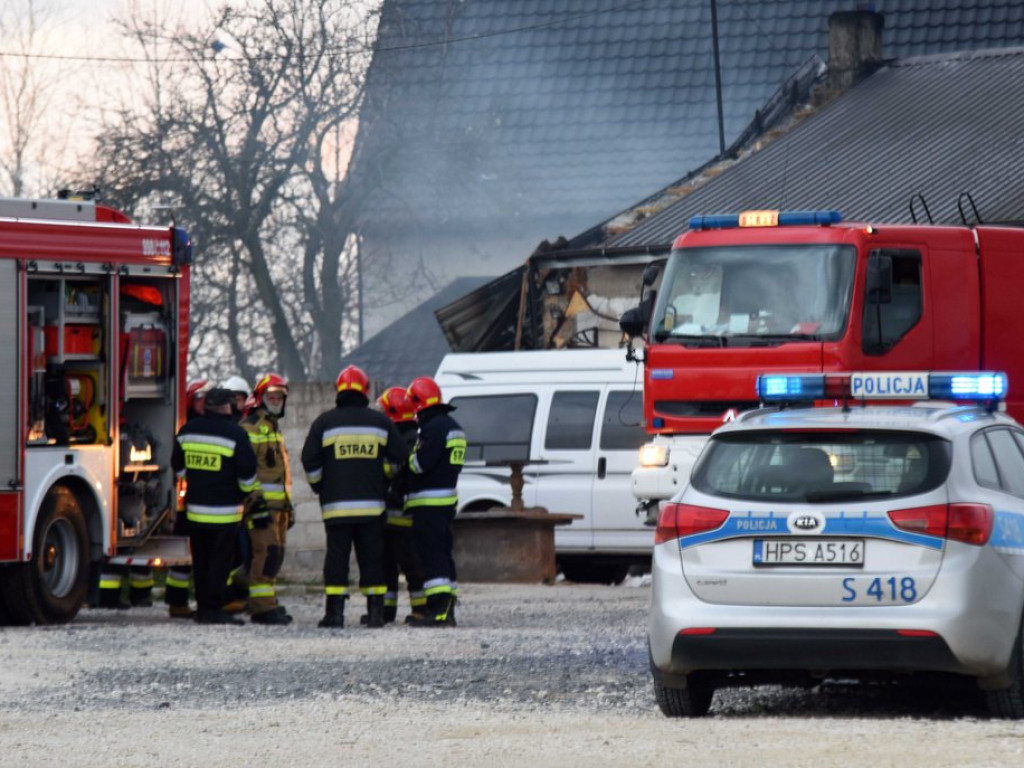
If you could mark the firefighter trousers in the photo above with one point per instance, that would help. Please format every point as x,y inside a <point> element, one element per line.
<point>267,545</point>
<point>400,556</point>
<point>367,536</point>
<point>432,527</point>
<point>213,545</point>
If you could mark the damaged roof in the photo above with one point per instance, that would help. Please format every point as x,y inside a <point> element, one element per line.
<point>549,115</point>
<point>411,346</point>
<point>913,140</point>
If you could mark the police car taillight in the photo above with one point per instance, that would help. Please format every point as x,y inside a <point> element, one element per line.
<point>969,523</point>
<point>678,520</point>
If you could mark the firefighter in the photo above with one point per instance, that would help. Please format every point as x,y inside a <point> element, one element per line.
<point>434,467</point>
<point>399,547</point>
<point>238,583</point>
<point>240,394</point>
<point>214,455</point>
<point>112,577</point>
<point>268,530</point>
<point>177,586</point>
<point>349,456</point>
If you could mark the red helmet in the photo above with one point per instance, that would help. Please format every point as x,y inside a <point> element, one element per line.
<point>195,391</point>
<point>424,392</point>
<point>268,382</point>
<point>396,404</point>
<point>353,378</point>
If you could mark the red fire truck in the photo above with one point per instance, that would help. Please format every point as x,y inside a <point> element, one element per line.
<point>801,291</point>
<point>94,324</point>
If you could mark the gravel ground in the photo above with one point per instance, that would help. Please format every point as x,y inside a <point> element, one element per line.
<point>533,674</point>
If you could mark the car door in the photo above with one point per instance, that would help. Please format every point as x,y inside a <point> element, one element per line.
<point>565,479</point>
<point>616,526</point>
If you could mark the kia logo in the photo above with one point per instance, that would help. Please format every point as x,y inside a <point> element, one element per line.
<point>806,523</point>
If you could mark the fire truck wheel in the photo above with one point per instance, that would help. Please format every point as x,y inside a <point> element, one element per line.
<point>5,615</point>
<point>52,587</point>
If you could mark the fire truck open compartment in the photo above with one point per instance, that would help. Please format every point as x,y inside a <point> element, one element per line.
<point>93,317</point>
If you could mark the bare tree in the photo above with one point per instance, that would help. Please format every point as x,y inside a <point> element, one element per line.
<point>27,87</point>
<point>235,131</point>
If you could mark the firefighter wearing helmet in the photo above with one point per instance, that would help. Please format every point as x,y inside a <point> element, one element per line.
<point>214,455</point>
<point>178,576</point>
<point>399,547</point>
<point>268,526</point>
<point>240,393</point>
<point>350,455</point>
<point>434,467</point>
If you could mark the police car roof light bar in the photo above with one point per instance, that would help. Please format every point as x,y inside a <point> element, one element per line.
<point>986,386</point>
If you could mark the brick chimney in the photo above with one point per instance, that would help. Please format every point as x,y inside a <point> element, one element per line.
<point>854,46</point>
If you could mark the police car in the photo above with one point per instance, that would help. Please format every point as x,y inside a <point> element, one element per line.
<point>772,567</point>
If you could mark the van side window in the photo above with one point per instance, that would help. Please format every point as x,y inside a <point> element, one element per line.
<point>899,312</point>
<point>571,421</point>
<point>622,427</point>
<point>498,427</point>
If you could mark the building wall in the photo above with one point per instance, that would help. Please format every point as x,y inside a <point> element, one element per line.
<point>306,541</point>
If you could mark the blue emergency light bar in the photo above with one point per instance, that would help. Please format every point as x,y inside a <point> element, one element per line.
<point>968,385</point>
<point>765,219</point>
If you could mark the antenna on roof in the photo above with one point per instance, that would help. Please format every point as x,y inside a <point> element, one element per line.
<point>974,209</point>
<point>913,214</point>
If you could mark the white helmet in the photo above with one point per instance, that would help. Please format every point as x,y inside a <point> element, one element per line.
<point>235,384</point>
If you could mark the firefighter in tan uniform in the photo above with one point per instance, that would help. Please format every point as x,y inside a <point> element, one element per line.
<point>268,529</point>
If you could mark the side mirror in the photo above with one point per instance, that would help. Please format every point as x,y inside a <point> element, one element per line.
<point>651,274</point>
<point>879,279</point>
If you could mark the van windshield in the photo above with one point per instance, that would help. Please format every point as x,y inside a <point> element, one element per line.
<point>755,295</point>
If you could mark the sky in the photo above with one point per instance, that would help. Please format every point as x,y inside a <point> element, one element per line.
<point>78,59</point>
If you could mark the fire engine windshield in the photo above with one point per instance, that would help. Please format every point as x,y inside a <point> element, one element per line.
<point>755,295</point>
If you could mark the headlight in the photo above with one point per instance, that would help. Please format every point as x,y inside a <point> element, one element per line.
<point>654,455</point>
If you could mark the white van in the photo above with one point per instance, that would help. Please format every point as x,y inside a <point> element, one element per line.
<point>579,415</point>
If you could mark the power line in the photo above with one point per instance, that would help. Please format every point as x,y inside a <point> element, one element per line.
<point>330,51</point>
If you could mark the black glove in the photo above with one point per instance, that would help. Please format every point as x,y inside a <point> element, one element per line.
<point>291,516</point>
<point>259,514</point>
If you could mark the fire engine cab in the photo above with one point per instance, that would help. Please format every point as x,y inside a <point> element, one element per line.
<point>93,345</point>
<point>806,292</point>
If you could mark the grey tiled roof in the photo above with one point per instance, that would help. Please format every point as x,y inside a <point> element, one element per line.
<point>934,126</point>
<point>411,346</point>
<point>559,113</point>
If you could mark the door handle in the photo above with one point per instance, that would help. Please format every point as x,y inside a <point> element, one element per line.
<point>602,466</point>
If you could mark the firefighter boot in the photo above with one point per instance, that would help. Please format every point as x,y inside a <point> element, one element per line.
<point>390,614</point>
<point>436,613</point>
<point>375,611</point>
<point>180,612</point>
<point>334,613</point>
<point>277,615</point>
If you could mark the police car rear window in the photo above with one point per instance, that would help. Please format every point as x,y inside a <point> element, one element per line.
<point>813,466</point>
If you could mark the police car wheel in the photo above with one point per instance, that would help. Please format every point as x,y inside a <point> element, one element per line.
<point>692,701</point>
<point>1008,703</point>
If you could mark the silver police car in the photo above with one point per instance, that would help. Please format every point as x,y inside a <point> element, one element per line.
<point>852,542</point>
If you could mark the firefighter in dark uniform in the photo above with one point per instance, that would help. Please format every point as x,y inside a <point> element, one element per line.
<point>349,456</point>
<point>176,592</point>
<point>268,530</point>
<point>400,554</point>
<point>431,497</point>
<point>215,456</point>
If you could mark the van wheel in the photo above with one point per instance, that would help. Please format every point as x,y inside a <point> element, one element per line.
<point>1008,703</point>
<point>584,571</point>
<point>51,588</point>
<point>692,701</point>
